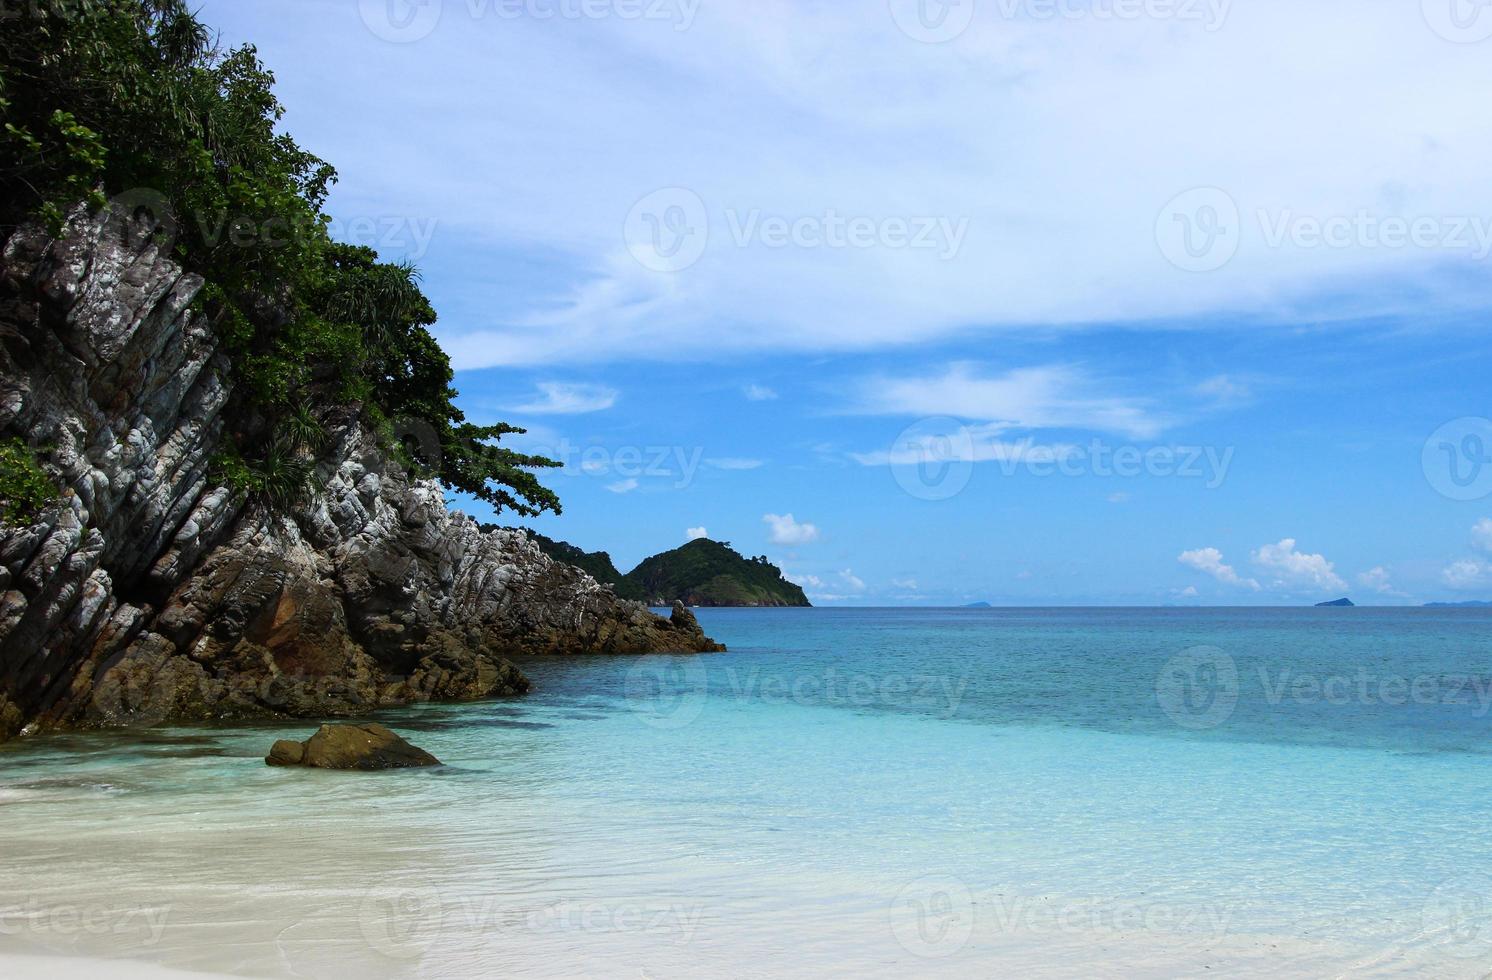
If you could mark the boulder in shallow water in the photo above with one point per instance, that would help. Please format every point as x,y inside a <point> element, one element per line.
<point>364,747</point>
<point>286,753</point>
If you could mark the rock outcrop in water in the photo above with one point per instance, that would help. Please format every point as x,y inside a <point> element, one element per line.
<point>149,592</point>
<point>364,747</point>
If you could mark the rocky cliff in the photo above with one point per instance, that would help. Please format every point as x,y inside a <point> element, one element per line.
<point>149,592</point>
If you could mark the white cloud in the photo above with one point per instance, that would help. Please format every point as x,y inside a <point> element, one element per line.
<point>1058,234</point>
<point>561,398</point>
<point>1049,397</point>
<point>851,581</point>
<point>806,581</point>
<point>1190,592</point>
<point>1379,580</point>
<point>1467,574</point>
<point>981,443</point>
<point>786,530</point>
<point>622,486</point>
<point>758,393</point>
<point>695,533</point>
<point>734,463</point>
<point>1223,390</point>
<point>1296,569</point>
<point>1210,560</point>
<point>905,584</point>
<point>1481,534</point>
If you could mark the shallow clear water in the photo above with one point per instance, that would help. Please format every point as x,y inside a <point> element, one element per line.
<point>880,792</point>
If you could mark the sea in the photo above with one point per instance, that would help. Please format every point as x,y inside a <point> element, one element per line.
<point>846,792</point>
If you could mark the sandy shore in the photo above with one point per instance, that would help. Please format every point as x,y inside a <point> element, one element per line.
<point>14,967</point>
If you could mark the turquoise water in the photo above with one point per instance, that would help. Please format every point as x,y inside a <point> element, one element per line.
<point>882,792</point>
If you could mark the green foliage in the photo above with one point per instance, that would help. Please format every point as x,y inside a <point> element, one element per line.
<point>132,101</point>
<point>711,573</point>
<point>597,564</point>
<point>701,573</point>
<point>25,487</point>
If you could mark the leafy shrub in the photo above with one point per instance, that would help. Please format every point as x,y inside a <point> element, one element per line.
<point>25,487</point>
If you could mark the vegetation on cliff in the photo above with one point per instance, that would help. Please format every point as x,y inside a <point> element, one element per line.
<point>597,564</point>
<point>701,573</point>
<point>24,486</point>
<point>131,104</point>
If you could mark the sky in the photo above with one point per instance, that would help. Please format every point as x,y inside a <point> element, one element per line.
<point>1031,302</point>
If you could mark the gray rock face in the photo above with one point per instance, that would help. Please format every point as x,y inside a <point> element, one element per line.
<point>150,593</point>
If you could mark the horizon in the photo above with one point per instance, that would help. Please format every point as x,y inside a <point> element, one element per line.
<point>1031,305</point>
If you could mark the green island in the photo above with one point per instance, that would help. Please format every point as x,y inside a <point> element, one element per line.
<point>700,573</point>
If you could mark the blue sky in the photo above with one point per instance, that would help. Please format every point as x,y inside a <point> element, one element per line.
<point>1025,301</point>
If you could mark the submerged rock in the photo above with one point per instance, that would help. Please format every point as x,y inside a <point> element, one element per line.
<point>363,747</point>
<point>150,592</point>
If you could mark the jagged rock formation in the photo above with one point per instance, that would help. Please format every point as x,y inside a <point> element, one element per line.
<point>150,593</point>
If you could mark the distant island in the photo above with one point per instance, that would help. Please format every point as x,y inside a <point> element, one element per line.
<point>700,573</point>
<point>1336,602</point>
<point>978,605</point>
<point>1465,604</point>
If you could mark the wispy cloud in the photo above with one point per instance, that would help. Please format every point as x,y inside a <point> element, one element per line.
<point>1048,397</point>
<point>1057,234</point>
<point>623,486</point>
<point>1378,580</point>
<point>758,393</point>
<point>1222,390</point>
<point>695,533</point>
<point>733,463</point>
<point>561,398</point>
<point>1481,535</point>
